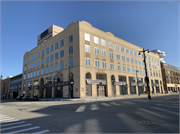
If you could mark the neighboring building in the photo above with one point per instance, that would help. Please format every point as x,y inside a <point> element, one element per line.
<point>100,65</point>
<point>161,54</point>
<point>5,84</point>
<point>171,77</point>
<point>15,85</point>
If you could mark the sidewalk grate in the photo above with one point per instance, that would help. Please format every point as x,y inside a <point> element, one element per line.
<point>147,122</point>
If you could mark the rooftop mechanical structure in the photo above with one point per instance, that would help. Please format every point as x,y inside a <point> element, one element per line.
<point>161,55</point>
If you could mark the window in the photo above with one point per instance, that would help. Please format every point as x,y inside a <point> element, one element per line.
<point>34,64</point>
<point>47,50</point>
<point>42,52</point>
<point>52,48</point>
<point>117,47</point>
<point>132,69</point>
<point>51,57</point>
<point>35,56</point>
<point>31,74</point>
<point>61,65</point>
<point>56,55</point>
<point>103,42</point>
<point>123,58</point>
<point>124,68</point>
<point>25,61</point>
<point>25,68</point>
<point>154,74</point>
<point>111,54</point>
<point>143,63</point>
<point>96,40</point>
<point>168,72</point>
<point>149,65</point>
<point>139,62</point>
<point>139,55</point>
<point>150,73</point>
<point>97,63</point>
<point>153,66</point>
<point>128,69</point>
<point>118,56</point>
<point>158,61</point>
<point>37,72</point>
<point>132,60</point>
<point>112,66</point>
<point>131,52</point>
<point>62,53</point>
<point>144,72</point>
<point>42,61</point>
<point>56,67</point>
<point>38,62</point>
<point>103,52</point>
<point>118,67</point>
<point>51,69</point>
<point>70,49</point>
<point>24,77</point>
<point>159,75</point>
<point>29,59</point>
<point>104,64</point>
<point>32,58</point>
<point>29,67</point>
<point>136,61</point>
<point>137,70</point>
<point>155,60</point>
<point>87,48</point>
<point>127,50</point>
<point>56,45</point>
<point>140,71</point>
<point>142,56</point>
<point>70,38</point>
<point>47,59</point>
<point>71,62</point>
<point>47,69</point>
<point>110,45</point>
<point>122,49</point>
<point>127,59</point>
<point>152,59</point>
<point>28,75</point>
<point>158,68</point>
<point>135,54</point>
<point>96,50</point>
<point>169,82</point>
<point>38,54</point>
<point>88,61</point>
<point>61,43</point>
<point>34,73</point>
<point>87,36</point>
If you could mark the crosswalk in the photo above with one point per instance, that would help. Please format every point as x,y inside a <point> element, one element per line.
<point>11,125</point>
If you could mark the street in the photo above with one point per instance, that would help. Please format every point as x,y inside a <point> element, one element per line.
<point>133,115</point>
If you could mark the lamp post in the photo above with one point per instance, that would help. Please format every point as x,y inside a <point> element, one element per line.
<point>69,81</point>
<point>146,78</point>
<point>137,81</point>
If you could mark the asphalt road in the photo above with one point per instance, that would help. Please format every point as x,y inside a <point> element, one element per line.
<point>159,115</point>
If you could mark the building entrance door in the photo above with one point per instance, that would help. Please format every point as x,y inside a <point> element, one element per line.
<point>100,91</point>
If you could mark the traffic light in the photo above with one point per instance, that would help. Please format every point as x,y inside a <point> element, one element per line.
<point>146,79</point>
<point>72,82</point>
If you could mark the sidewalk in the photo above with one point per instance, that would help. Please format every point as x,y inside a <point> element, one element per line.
<point>106,98</point>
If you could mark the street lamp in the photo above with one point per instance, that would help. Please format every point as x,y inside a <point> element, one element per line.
<point>146,78</point>
<point>69,81</point>
<point>137,80</point>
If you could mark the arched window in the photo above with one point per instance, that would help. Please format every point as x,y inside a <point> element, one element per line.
<point>88,76</point>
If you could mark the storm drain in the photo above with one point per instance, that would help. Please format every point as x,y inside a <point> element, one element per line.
<point>147,122</point>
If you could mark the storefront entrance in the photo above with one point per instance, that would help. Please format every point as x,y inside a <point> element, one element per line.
<point>123,86</point>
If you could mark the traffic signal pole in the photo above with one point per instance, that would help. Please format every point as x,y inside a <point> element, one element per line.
<point>146,78</point>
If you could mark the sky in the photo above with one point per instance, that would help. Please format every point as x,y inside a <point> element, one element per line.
<point>148,24</point>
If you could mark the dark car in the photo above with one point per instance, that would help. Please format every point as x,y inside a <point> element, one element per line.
<point>25,98</point>
<point>33,98</point>
<point>19,97</point>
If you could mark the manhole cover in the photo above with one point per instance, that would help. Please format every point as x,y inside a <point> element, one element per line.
<point>147,122</point>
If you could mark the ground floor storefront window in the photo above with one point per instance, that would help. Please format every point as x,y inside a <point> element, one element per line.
<point>49,88</point>
<point>157,86</point>
<point>58,92</point>
<point>132,88</point>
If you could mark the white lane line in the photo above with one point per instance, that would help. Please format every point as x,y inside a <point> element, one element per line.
<point>116,104</point>
<point>94,107</point>
<point>81,108</point>
<point>12,124</point>
<point>4,117</point>
<point>15,127</point>
<point>22,130</point>
<point>105,104</point>
<point>40,132</point>
<point>7,119</point>
<point>167,101</point>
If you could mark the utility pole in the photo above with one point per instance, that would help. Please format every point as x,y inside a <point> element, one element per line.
<point>146,78</point>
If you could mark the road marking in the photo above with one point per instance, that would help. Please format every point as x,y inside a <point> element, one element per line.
<point>22,130</point>
<point>105,104</point>
<point>165,110</point>
<point>12,123</point>
<point>94,107</point>
<point>15,127</point>
<point>40,132</point>
<point>116,104</point>
<point>4,117</point>
<point>7,119</point>
<point>167,101</point>
<point>81,108</point>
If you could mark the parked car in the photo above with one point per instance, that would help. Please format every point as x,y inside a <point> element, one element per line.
<point>33,98</point>
<point>19,97</point>
<point>25,98</point>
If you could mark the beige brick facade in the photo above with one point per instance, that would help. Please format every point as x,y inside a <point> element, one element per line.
<point>79,69</point>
